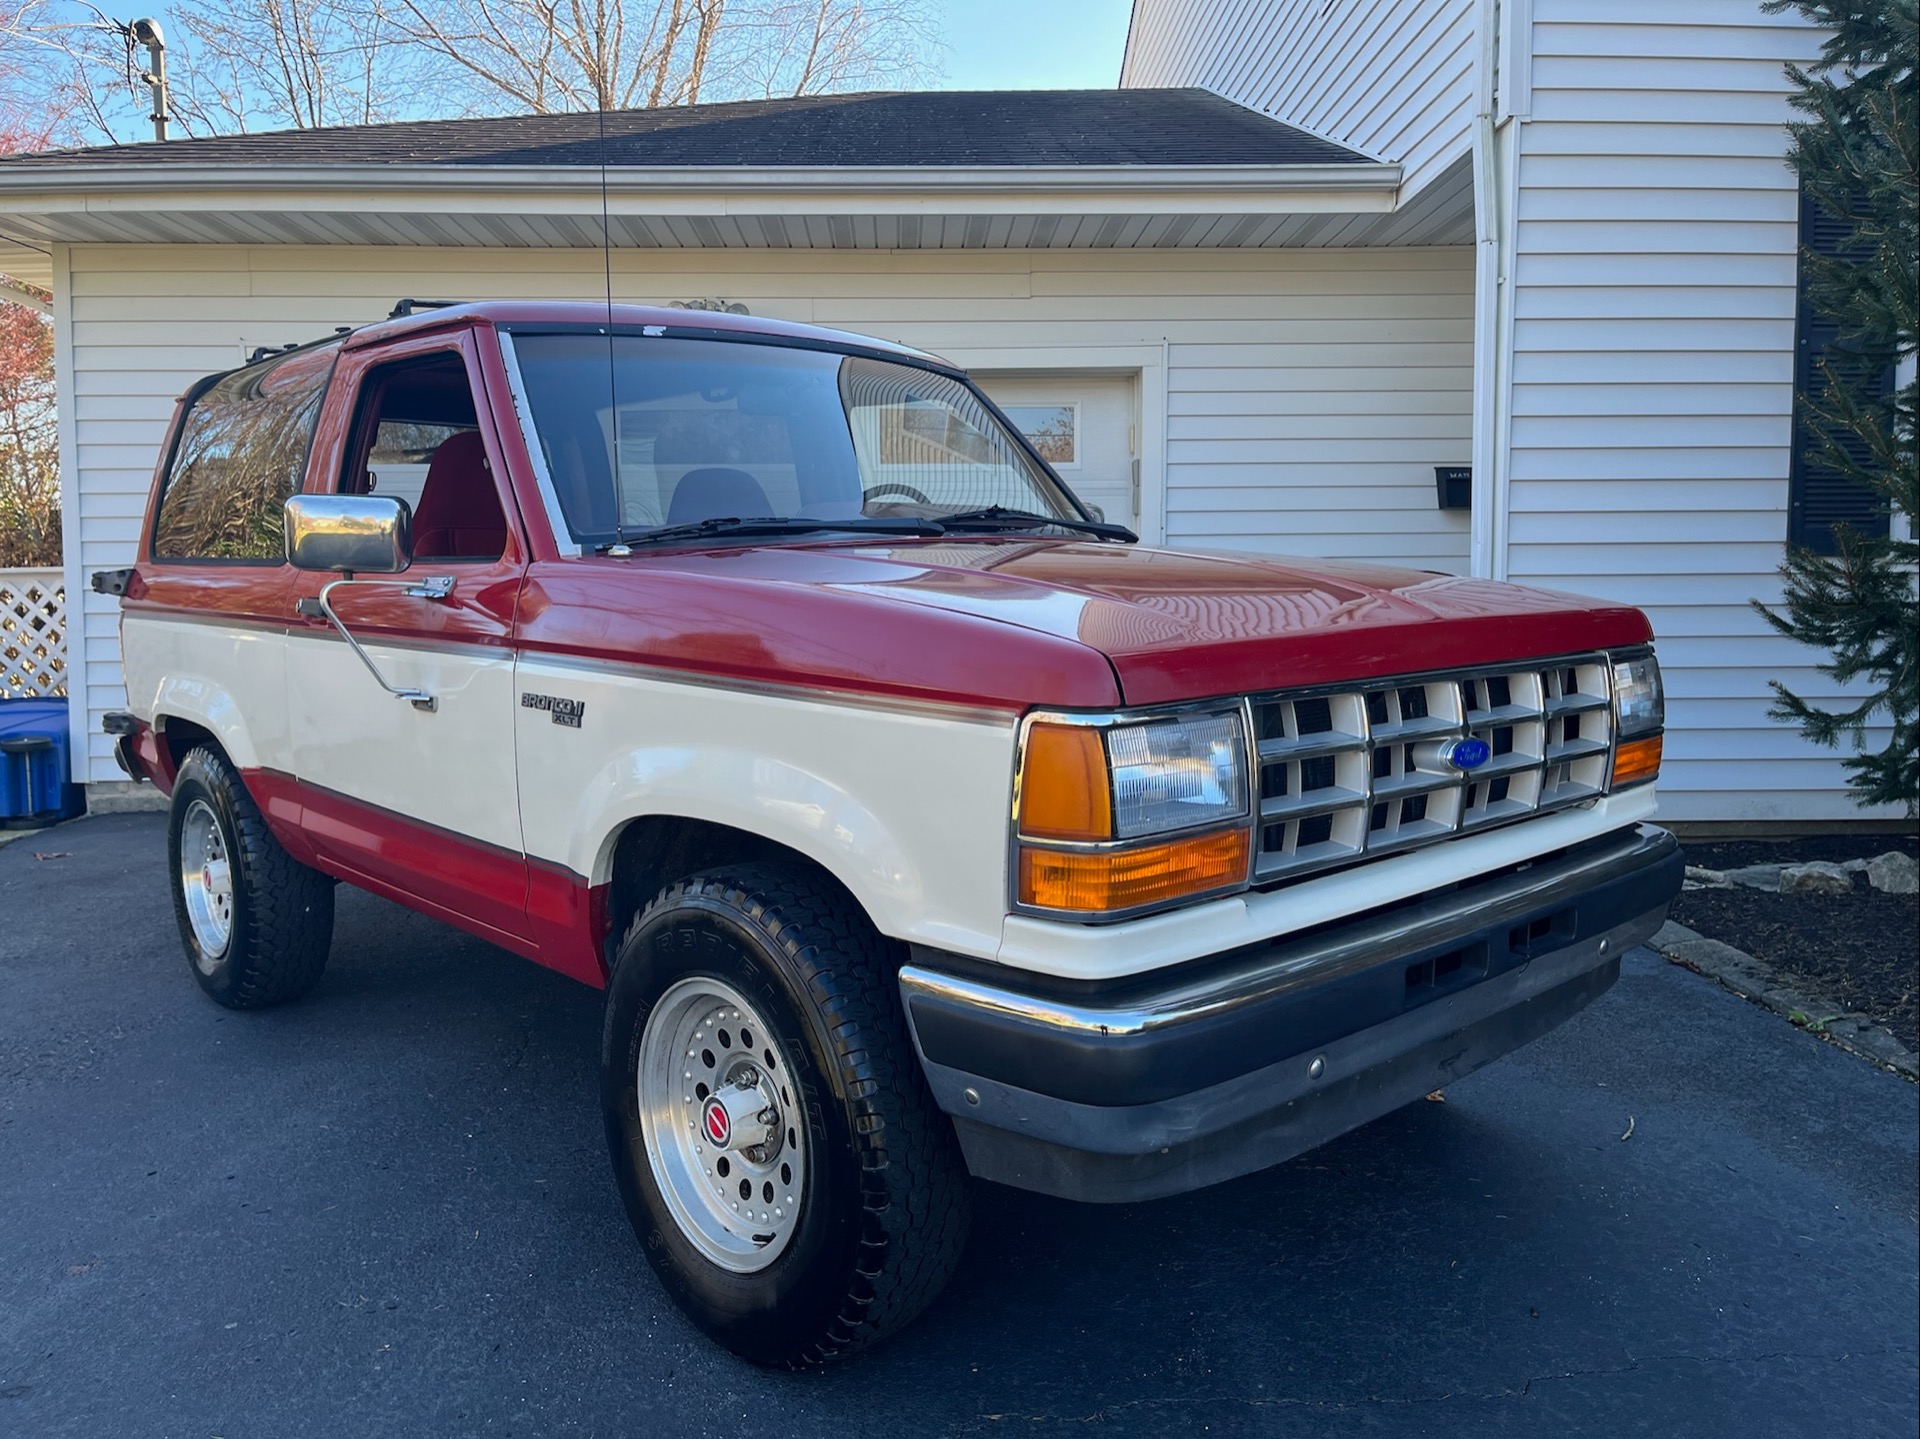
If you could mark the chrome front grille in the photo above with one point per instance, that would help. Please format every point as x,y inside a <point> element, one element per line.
<point>1355,772</point>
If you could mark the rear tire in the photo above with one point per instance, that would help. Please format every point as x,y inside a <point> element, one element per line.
<point>852,1195</point>
<point>256,923</point>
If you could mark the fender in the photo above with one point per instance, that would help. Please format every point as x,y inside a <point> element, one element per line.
<point>170,663</point>
<point>905,804</point>
<point>200,700</point>
<point>885,871</point>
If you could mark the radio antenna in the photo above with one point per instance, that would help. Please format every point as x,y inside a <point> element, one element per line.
<point>613,383</point>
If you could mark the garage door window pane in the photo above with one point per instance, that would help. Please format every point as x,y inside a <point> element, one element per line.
<point>1053,430</point>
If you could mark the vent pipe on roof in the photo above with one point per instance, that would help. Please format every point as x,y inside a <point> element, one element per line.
<point>154,77</point>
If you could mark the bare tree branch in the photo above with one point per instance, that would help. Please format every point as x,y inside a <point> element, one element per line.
<point>68,76</point>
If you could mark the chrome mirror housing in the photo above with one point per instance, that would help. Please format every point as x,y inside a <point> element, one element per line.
<point>371,534</point>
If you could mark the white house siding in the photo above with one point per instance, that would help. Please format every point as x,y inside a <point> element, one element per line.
<point>1652,368</point>
<point>1298,398</point>
<point>1389,78</point>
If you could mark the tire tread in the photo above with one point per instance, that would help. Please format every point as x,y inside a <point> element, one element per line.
<point>914,1184</point>
<point>284,926</point>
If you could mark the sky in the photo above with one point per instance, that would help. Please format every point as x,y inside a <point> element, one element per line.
<point>1034,44</point>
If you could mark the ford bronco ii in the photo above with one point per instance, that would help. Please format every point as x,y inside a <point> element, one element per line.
<point>917,823</point>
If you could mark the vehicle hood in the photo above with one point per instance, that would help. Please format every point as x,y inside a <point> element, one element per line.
<point>1179,625</point>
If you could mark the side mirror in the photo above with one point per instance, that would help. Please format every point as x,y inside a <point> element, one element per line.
<point>371,534</point>
<point>1097,511</point>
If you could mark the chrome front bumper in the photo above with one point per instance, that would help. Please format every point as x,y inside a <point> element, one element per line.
<point>1175,1080</point>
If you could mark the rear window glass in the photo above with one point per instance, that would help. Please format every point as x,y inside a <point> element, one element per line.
<point>242,452</point>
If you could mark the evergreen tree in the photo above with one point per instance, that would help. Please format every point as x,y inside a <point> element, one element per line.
<point>1855,156</point>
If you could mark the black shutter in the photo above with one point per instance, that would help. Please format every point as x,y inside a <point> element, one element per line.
<point>1818,496</point>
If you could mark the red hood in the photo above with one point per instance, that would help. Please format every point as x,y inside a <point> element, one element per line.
<point>1173,625</point>
<point>1178,625</point>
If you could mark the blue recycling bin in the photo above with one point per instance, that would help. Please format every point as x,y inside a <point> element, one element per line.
<point>35,764</point>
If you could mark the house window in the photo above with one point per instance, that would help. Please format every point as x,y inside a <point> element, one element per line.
<point>1820,497</point>
<point>242,451</point>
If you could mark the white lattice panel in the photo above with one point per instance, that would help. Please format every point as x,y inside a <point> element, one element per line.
<point>33,633</point>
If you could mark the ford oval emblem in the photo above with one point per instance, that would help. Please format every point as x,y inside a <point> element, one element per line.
<point>1467,754</point>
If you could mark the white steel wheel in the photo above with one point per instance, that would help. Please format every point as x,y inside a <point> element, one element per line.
<point>724,1136</point>
<point>206,881</point>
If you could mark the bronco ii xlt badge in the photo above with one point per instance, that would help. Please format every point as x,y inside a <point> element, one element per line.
<point>564,711</point>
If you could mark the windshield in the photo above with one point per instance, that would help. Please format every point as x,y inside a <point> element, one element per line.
<point>713,429</point>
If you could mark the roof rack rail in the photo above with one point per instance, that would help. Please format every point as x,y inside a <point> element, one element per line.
<point>268,352</point>
<point>409,305</point>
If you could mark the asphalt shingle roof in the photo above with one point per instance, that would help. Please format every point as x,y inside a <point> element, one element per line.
<point>974,128</point>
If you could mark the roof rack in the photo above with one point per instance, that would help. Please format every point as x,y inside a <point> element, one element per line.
<point>267,352</point>
<point>409,305</point>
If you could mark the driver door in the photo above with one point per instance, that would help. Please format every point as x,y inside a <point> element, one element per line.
<point>418,800</point>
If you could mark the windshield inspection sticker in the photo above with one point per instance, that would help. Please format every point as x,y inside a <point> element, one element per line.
<point>564,711</point>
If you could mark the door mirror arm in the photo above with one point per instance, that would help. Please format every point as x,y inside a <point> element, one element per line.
<point>434,587</point>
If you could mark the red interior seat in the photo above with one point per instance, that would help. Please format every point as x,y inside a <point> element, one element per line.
<point>459,513</point>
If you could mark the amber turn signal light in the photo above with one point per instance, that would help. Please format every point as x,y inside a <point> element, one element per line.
<point>1636,760</point>
<point>1063,784</point>
<point>1111,880</point>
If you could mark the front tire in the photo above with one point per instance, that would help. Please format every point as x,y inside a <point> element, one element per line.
<point>787,1172</point>
<point>256,923</point>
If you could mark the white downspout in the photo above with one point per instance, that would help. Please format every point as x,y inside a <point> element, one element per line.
<point>1485,556</point>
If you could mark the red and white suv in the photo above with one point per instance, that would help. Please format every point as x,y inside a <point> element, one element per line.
<point>917,823</point>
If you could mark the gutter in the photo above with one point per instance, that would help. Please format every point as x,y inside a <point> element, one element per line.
<point>57,187</point>
<point>1494,162</point>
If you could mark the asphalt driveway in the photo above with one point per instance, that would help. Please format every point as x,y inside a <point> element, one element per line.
<point>388,1210</point>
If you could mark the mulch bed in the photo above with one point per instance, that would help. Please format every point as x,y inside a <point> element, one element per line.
<point>1851,952</point>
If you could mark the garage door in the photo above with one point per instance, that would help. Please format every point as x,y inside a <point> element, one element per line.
<point>1085,427</point>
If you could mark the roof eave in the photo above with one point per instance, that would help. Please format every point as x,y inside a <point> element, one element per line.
<point>60,186</point>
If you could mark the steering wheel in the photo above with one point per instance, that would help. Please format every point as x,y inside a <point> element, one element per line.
<point>894,488</point>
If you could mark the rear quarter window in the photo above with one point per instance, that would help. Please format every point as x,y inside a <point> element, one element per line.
<point>242,451</point>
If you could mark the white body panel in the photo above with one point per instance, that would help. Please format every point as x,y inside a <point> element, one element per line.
<point>907,808</point>
<point>451,767</point>
<point>231,679</point>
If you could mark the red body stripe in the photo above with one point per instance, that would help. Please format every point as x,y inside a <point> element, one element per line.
<point>477,887</point>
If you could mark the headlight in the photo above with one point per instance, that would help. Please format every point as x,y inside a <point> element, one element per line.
<point>1115,815</point>
<point>1639,717</point>
<point>1177,773</point>
<point>1639,703</point>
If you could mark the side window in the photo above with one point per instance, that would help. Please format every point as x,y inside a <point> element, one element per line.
<point>417,438</point>
<point>242,451</point>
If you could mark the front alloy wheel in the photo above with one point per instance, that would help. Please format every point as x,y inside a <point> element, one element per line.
<point>723,1134</point>
<point>789,1176</point>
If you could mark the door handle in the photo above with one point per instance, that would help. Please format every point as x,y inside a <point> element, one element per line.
<point>433,587</point>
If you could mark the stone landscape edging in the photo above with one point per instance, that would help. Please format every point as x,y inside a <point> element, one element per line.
<point>1751,979</point>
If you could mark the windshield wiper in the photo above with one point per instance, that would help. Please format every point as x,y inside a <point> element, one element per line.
<point>731,525</point>
<point>999,517</point>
